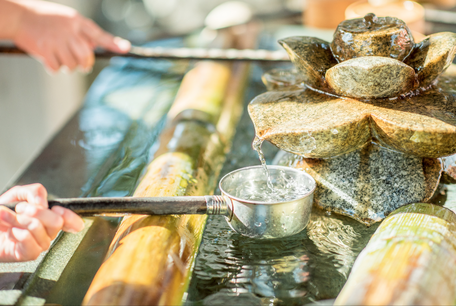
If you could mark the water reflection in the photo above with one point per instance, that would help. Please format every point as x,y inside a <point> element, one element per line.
<point>235,270</point>
<point>310,266</point>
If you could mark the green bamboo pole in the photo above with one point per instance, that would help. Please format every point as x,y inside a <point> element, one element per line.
<point>410,260</point>
<point>151,257</point>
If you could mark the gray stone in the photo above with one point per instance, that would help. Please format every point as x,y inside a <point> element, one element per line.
<point>371,77</point>
<point>372,36</point>
<point>311,56</point>
<point>432,56</point>
<point>370,182</point>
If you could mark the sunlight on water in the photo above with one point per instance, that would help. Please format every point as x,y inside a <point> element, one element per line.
<point>279,188</point>
<point>286,188</point>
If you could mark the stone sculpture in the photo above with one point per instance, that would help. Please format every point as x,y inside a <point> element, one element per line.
<point>365,114</point>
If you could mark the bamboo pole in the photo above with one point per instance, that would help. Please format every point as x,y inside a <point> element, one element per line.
<point>151,258</point>
<point>410,260</point>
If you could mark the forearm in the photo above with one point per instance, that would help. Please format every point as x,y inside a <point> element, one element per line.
<point>10,17</point>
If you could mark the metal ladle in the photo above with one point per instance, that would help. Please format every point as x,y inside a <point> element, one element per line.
<point>262,220</point>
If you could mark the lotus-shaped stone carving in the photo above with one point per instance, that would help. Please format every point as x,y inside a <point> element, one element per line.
<point>371,57</point>
<point>365,114</point>
<point>342,95</point>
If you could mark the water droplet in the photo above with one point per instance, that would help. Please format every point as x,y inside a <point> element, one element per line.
<point>334,131</point>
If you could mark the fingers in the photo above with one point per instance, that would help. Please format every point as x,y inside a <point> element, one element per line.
<point>36,228</point>
<point>76,53</point>
<point>31,230</point>
<point>33,194</point>
<point>7,218</point>
<point>26,247</point>
<point>51,62</point>
<point>27,235</point>
<point>71,222</point>
<point>65,56</point>
<point>82,52</point>
<point>51,221</point>
<point>103,39</point>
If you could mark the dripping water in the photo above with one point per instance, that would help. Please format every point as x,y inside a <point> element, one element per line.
<point>256,145</point>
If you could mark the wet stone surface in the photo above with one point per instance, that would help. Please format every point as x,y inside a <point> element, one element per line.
<point>372,36</point>
<point>432,56</point>
<point>371,77</point>
<point>311,56</point>
<point>377,58</point>
<point>317,125</point>
<point>280,79</point>
<point>369,183</point>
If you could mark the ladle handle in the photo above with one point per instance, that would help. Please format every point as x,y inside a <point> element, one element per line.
<point>200,205</point>
<point>182,53</point>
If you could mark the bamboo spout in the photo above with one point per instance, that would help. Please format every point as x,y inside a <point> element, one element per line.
<point>151,258</point>
<point>410,260</point>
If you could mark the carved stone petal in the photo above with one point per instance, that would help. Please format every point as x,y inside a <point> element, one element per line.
<point>316,125</point>
<point>432,56</point>
<point>424,125</point>
<point>371,77</point>
<point>311,56</point>
<point>309,123</point>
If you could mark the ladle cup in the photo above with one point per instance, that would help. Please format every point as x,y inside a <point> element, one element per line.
<point>262,220</point>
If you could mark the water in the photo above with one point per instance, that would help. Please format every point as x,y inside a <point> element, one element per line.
<point>256,145</point>
<point>286,188</point>
<point>310,266</point>
<point>280,187</point>
<point>313,265</point>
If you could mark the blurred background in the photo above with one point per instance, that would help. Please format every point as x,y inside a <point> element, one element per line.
<point>35,105</point>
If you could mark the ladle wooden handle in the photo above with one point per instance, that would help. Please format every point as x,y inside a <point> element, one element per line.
<point>212,205</point>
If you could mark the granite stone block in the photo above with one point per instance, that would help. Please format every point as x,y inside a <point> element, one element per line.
<point>311,56</point>
<point>371,77</point>
<point>432,56</point>
<point>372,36</point>
<point>369,183</point>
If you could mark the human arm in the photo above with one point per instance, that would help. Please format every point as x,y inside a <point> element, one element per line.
<point>55,34</point>
<point>29,231</point>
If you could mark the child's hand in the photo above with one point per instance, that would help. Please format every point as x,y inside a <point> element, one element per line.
<point>29,231</point>
<point>60,37</point>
